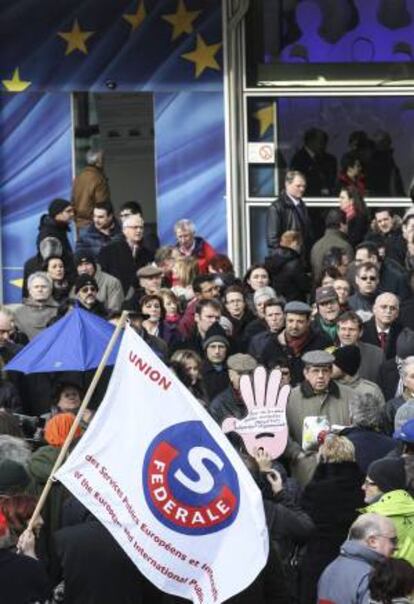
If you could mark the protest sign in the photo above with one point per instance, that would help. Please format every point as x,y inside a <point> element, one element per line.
<point>160,475</point>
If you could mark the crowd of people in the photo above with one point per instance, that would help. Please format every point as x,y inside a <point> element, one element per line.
<point>333,315</point>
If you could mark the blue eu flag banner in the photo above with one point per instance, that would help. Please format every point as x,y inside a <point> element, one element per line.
<point>159,474</point>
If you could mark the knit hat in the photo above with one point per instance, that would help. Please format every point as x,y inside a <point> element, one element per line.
<point>57,429</point>
<point>57,206</point>
<point>405,343</point>
<point>79,258</point>
<point>404,413</point>
<point>13,477</point>
<point>215,333</point>
<point>83,280</point>
<point>348,359</point>
<point>406,432</point>
<point>388,474</point>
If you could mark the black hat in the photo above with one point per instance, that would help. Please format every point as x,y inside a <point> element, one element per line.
<point>348,358</point>
<point>388,473</point>
<point>79,258</point>
<point>405,343</point>
<point>215,333</point>
<point>13,477</point>
<point>57,206</point>
<point>83,280</point>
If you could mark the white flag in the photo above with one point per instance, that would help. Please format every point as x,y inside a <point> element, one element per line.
<point>159,474</point>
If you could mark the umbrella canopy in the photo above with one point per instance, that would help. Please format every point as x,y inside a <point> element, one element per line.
<point>74,343</point>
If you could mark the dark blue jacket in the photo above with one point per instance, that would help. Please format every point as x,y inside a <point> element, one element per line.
<point>91,240</point>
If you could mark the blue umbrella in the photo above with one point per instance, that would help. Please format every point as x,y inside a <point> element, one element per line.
<point>74,343</point>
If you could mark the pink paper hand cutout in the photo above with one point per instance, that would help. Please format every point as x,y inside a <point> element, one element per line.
<point>265,424</point>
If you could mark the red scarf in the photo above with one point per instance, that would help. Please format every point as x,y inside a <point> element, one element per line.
<point>297,344</point>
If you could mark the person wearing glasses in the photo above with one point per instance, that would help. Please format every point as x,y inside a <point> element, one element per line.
<point>366,286</point>
<point>383,328</point>
<point>122,259</point>
<point>371,539</point>
<point>151,240</point>
<point>86,290</point>
<point>386,494</point>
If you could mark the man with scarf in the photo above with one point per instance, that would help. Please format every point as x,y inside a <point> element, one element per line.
<point>299,337</point>
<point>328,307</point>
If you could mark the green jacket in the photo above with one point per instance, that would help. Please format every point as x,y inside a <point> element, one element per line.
<point>399,507</point>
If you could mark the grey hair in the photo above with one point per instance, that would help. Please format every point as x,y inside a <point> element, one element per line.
<point>15,449</point>
<point>364,411</point>
<point>403,414</point>
<point>365,526</point>
<point>40,275</point>
<point>93,157</point>
<point>405,363</point>
<point>6,312</point>
<point>264,292</point>
<point>292,174</point>
<point>50,246</point>
<point>185,224</point>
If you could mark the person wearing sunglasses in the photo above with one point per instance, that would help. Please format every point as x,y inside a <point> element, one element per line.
<point>366,285</point>
<point>386,494</point>
<point>86,290</point>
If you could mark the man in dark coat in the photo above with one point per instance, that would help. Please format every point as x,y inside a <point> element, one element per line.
<point>289,213</point>
<point>213,369</point>
<point>123,258</point>
<point>388,226</point>
<point>56,223</point>
<point>103,230</point>
<point>96,570</point>
<point>298,337</point>
<point>383,329</point>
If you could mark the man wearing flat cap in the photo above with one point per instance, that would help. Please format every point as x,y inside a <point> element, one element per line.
<point>229,402</point>
<point>149,283</point>
<point>109,288</point>
<point>318,400</point>
<point>299,337</point>
<point>328,307</point>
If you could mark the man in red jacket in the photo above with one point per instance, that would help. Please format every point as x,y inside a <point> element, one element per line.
<point>189,244</point>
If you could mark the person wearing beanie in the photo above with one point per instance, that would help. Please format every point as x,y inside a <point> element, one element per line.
<point>13,478</point>
<point>346,371</point>
<point>403,384</point>
<point>386,495</point>
<point>213,369</point>
<point>40,467</point>
<point>110,291</point>
<point>56,224</point>
<point>86,291</point>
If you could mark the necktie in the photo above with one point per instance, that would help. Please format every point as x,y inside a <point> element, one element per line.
<point>383,339</point>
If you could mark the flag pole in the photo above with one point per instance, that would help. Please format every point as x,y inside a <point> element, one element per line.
<point>78,418</point>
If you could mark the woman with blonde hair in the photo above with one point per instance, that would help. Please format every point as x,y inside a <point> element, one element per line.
<point>184,270</point>
<point>331,499</point>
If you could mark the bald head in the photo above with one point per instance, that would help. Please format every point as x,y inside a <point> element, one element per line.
<point>376,532</point>
<point>386,309</point>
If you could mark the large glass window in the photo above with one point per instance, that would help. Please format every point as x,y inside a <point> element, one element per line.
<point>365,141</point>
<point>294,42</point>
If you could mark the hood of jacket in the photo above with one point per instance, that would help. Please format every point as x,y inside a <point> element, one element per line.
<point>360,551</point>
<point>394,503</point>
<point>283,255</point>
<point>42,462</point>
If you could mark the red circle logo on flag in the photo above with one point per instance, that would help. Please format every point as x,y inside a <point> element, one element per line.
<point>189,483</point>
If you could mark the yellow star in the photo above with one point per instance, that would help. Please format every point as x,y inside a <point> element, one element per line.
<point>137,18</point>
<point>16,84</point>
<point>17,282</point>
<point>182,20</point>
<point>265,117</point>
<point>76,38</point>
<point>203,56</point>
